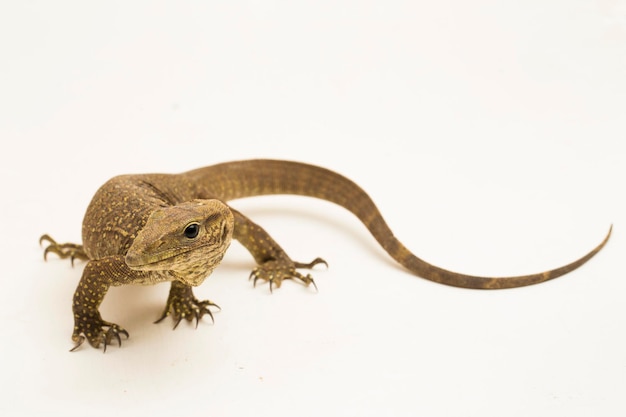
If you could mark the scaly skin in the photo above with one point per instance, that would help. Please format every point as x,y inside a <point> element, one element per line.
<point>151,228</point>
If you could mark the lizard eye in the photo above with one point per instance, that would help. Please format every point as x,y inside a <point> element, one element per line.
<point>191,231</point>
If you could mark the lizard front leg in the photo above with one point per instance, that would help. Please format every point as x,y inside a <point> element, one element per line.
<point>97,277</point>
<point>273,263</point>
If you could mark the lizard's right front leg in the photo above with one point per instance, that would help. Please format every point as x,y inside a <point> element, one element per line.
<point>97,277</point>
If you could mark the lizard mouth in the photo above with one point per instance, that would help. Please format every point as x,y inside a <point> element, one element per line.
<point>161,260</point>
<point>142,261</point>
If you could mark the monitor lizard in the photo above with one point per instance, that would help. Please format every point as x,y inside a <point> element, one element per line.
<point>151,228</point>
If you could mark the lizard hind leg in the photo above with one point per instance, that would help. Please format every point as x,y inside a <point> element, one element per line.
<point>182,304</point>
<point>63,250</point>
<point>273,264</point>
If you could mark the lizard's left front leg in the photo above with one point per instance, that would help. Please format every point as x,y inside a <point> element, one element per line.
<point>273,264</point>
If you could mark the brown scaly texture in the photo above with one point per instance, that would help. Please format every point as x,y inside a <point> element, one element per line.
<point>145,229</point>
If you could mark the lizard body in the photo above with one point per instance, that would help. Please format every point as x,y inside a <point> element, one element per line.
<point>151,228</point>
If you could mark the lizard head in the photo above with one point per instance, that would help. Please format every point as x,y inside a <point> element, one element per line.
<point>188,240</point>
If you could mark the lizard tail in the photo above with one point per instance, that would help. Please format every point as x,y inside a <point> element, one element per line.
<point>263,177</point>
<point>443,276</point>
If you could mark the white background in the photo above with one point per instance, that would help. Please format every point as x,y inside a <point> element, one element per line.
<point>491,135</point>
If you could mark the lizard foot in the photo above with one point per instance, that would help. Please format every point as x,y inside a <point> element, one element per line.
<point>182,304</point>
<point>96,331</point>
<point>63,250</point>
<point>275,271</point>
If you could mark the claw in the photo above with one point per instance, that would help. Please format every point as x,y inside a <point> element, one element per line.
<point>160,319</point>
<point>178,322</point>
<point>210,315</point>
<point>256,278</point>
<point>199,313</point>
<point>196,313</point>
<point>80,340</point>
<point>110,334</point>
<point>119,340</point>
<point>52,248</point>
<point>46,238</point>
<point>311,264</point>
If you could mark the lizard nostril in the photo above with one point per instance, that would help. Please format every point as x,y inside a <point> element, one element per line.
<point>224,232</point>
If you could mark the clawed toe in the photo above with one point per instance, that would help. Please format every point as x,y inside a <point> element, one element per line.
<point>63,250</point>
<point>182,304</point>
<point>112,332</point>
<point>78,341</point>
<point>191,313</point>
<point>311,264</point>
<point>197,315</point>
<point>275,271</point>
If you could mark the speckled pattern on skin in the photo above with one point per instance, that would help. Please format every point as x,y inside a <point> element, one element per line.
<point>151,228</point>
